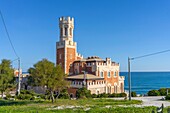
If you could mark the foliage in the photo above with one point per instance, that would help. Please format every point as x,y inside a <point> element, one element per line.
<point>133,94</point>
<point>7,80</point>
<point>30,92</point>
<point>160,92</point>
<point>26,95</point>
<point>104,95</point>
<point>153,93</point>
<point>64,94</point>
<point>46,74</point>
<point>163,91</point>
<point>94,96</point>
<point>83,93</point>
<point>123,95</point>
<point>167,97</point>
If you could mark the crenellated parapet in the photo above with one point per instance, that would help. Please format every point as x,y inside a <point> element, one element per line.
<point>66,25</point>
<point>79,55</point>
<point>66,20</point>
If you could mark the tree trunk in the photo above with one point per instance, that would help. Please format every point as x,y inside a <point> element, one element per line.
<point>58,94</point>
<point>2,94</point>
<point>52,96</point>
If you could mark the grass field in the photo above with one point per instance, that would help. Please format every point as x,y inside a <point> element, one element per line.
<point>73,106</point>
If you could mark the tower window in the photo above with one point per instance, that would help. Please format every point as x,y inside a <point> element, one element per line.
<point>61,31</point>
<point>70,31</point>
<point>66,32</point>
<point>60,56</point>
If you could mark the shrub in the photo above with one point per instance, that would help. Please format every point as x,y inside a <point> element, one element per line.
<point>8,96</point>
<point>118,95</point>
<point>153,93</point>
<point>113,95</point>
<point>133,94</point>
<point>94,96</point>
<point>30,92</point>
<point>42,96</point>
<point>83,93</point>
<point>103,95</point>
<point>167,97</point>
<point>122,95</point>
<point>64,94</point>
<point>26,95</point>
<point>163,91</point>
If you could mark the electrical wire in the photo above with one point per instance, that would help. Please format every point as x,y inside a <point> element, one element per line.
<point>150,54</point>
<point>6,30</point>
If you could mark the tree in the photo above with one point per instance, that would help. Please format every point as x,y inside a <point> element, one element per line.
<point>7,78</point>
<point>46,74</point>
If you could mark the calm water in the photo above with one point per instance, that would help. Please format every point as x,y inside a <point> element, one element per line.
<point>142,82</point>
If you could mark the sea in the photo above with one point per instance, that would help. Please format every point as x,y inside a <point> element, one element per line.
<point>142,82</point>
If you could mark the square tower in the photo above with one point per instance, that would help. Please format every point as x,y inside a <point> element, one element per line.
<point>66,47</point>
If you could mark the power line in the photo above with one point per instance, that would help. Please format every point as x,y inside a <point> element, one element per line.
<point>150,54</point>
<point>3,21</point>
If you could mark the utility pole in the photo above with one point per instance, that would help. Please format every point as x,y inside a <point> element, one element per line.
<point>84,81</point>
<point>19,81</point>
<point>139,57</point>
<point>129,78</point>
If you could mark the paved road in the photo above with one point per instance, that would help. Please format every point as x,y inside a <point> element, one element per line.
<point>152,101</point>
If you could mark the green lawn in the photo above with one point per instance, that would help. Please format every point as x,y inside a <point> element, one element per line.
<point>72,106</point>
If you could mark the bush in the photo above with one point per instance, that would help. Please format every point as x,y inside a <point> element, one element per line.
<point>8,96</point>
<point>94,96</point>
<point>26,95</point>
<point>29,92</point>
<point>42,96</point>
<point>83,93</point>
<point>103,95</point>
<point>153,93</point>
<point>64,94</point>
<point>167,97</point>
<point>163,91</point>
<point>118,95</point>
<point>122,95</point>
<point>133,94</point>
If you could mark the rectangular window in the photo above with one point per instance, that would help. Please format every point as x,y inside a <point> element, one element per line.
<point>70,31</point>
<point>66,32</point>
<point>60,56</point>
<point>115,73</point>
<point>108,74</point>
<point>101,74</point>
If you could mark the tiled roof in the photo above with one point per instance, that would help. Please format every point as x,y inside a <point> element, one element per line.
<point>81,77</point>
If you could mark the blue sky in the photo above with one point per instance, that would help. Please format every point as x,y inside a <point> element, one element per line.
<point>104,28</point>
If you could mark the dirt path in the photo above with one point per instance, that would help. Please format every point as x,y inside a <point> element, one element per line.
<point>152,101</point>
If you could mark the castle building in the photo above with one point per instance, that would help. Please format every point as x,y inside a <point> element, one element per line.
<point>94,73</point>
